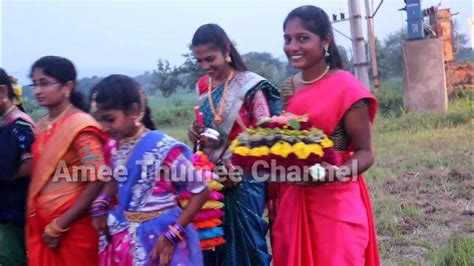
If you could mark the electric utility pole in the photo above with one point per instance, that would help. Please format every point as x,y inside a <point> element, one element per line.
<point>371,37</point>
<point>358,44</point>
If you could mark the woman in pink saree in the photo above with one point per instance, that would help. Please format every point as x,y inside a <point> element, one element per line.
<point>329,222</point>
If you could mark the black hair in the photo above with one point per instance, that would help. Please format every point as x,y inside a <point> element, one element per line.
<point>120,92</point>
<point>6,80</point>
<point>315,20</point>
<point>214,35</point>
<point>63,70</point>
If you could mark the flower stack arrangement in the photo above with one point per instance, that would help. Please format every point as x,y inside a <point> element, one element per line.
<point>287,140</point>
<point>208,221</point>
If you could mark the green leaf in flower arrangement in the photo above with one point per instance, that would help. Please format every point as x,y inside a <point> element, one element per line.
<point>295,124</point>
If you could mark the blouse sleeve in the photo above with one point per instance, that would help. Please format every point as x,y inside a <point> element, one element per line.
<point>15,147</point>
<point>90,151</point>
<point>286,91</point>
<point>259,107</point>
<point>183,174</point>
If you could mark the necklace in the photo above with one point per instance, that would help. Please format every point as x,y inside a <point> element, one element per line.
<point>316,79</point>
<point>218,115</point>
<point>135,136</point>
<point>7,113</point>
<point>57,118</point>
<point>42,139</point>
<point>132,141</point>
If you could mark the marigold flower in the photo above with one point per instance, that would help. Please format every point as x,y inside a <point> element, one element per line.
<point>281,148</point>
<point>326,142</point>
<point>242,151</point>
<point>234,144</point>
<point>315,149</point>
<point>215,186</point>
<point>301,150</point>
<point>260,151</point>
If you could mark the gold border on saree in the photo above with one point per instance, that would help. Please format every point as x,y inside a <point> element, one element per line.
<point>140,217</point>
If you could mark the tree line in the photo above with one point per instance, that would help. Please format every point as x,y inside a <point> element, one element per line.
<point>167,80</point>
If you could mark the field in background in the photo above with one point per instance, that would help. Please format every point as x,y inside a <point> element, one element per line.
<point>175,114</point>
<point>421,185</point>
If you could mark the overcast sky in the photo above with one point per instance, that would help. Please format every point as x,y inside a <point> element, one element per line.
<point>104,37</point>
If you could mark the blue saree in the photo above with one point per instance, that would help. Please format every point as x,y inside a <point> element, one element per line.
<point>133,241</point>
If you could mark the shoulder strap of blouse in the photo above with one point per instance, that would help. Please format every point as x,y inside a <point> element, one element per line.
<point>286,91</point>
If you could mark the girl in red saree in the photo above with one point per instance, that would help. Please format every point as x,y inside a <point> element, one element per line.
<point>59,228</point>
<point>330,222</point>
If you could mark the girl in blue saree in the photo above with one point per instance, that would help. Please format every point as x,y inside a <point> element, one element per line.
<point>231,99</point>
<point>146,227</point>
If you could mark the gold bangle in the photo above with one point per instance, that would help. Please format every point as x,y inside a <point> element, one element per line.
<point>56,226</point>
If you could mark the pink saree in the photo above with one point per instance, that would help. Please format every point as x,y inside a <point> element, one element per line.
<point>330,224</point>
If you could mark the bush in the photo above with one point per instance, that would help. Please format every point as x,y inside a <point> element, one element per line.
<point>458,251</point>
<point>460,112</point>
<point>464,93</point>
<point>33,109</point>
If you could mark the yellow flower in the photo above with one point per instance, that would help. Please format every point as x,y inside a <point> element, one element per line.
<point>215,185</point>
<point>18,90</point>
<point>326,142</point>
<point>301,150</point>
<point>316,149</point>
<point>210,204</point>
<point>281,148</point>
<point>260,151</point>
<point>242,151</point>
<point>234,144</point>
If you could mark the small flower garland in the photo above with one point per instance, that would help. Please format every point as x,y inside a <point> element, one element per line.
<point>208,220</point>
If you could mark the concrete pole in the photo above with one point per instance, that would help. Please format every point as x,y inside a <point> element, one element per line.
<point>371,36</point>
<point>358,44</point>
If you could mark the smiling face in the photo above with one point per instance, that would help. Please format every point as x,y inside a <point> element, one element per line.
<point>211,60</point>
<point>303,48</point>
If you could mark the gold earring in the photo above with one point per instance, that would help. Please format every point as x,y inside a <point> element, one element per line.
<point>138,123</point>
<point>228,59</point>
<point>93,103</point>
<point>326,52</point>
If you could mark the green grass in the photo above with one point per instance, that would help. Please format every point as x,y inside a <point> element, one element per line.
<point>176,111</point>
<point>175,114</point>
<point>457,251</point>
<point>177,133</point>
<point>421,185</point>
